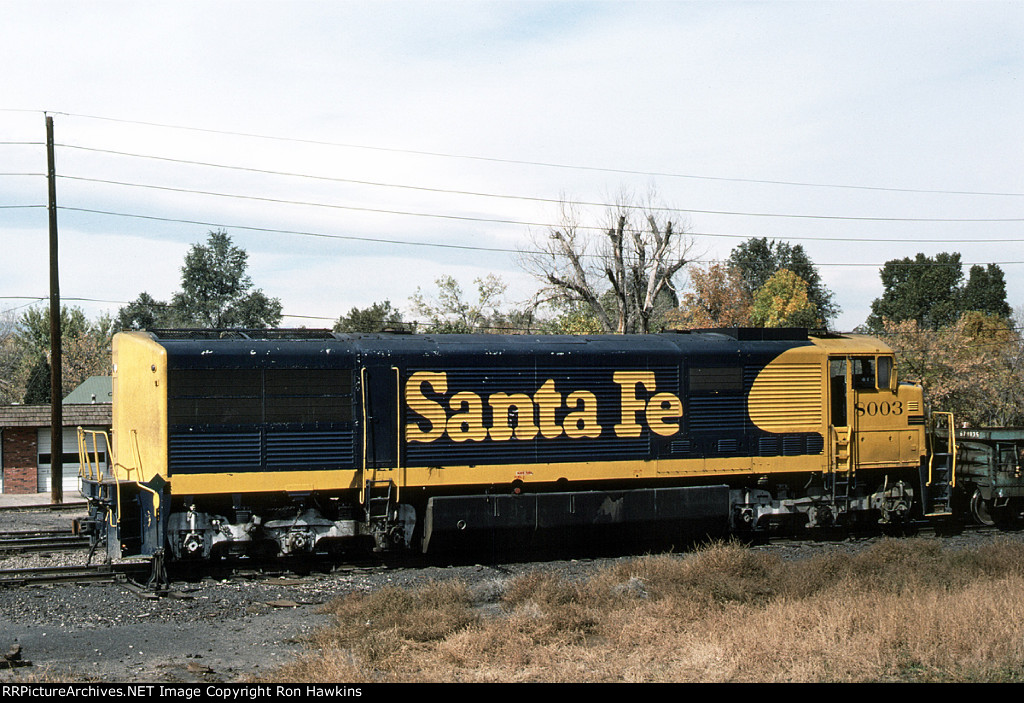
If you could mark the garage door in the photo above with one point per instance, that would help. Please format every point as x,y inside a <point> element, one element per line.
<point>70,457</point>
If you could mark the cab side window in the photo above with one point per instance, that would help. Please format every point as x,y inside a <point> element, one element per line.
<point>864,373</point>
<point>884,373</point>
<point>837,391</point>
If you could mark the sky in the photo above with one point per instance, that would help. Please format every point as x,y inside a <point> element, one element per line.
<point>359,150</point>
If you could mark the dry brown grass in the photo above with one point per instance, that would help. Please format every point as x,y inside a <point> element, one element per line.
<point>903,610</point>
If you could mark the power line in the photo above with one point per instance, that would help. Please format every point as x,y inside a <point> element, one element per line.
<point>543,164</point>
<point>271,230</point>
<point>480,194</point>
<point>380,240</point>
<point>420,324</point>
<point>282,201</point>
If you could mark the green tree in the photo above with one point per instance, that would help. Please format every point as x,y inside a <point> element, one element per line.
<point>449,312</point>
<point>931,291</point>
<point>571,318</point>
<point>217,292</point>
<point>758,259</point>
<point>784,301</point>
<point>144,313</point>
<point>985,291</point>
<point>923,289</point>
<point>37,385</point>
<point>372,319</point>
<point>34,327</point>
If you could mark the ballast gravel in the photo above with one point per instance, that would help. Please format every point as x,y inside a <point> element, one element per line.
<point>208,629</point>
<point>218,630</point>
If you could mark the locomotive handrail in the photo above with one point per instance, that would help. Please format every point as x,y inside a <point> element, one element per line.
<point>156,499</point>
<point>137,456</point>
<point>89,467</point>
<point>398,419</point>
<point>950,446</point>
<point>87,462</point>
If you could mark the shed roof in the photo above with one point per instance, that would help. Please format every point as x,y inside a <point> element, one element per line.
<point>39,415</point>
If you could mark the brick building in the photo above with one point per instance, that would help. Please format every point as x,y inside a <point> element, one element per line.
<point>25,441</point>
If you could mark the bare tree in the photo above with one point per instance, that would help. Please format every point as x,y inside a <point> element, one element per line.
<point>622,274</point>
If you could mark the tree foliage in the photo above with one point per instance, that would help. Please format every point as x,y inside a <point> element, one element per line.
<point>931,291</point>
<point>375,318</point>
<point>571,318</point>
<point>759,259</point>
<point>449,312</point>
<point>12,360</point>
<point>37,386</point>
<point>85,352</point>
<point>216,292</point>
<point>144,313</point>
<point>34,327</point>
<point>973,368</point>
<point>784,301</point>
<point>623,276</point>
<point>985,291</point>
<point>718,297</point>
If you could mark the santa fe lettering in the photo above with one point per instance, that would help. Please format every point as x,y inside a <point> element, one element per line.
<point>460,416</point>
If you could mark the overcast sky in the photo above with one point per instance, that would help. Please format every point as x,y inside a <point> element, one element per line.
<point>864,131</point>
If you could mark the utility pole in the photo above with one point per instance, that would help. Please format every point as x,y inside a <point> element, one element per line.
<point>56,410</point>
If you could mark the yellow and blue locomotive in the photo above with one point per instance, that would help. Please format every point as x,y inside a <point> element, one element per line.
<point>290,442</point>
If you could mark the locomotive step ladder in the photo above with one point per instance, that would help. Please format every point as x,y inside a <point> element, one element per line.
<point>940,479</point>
<point>842,475</point>
<point>379,496</point>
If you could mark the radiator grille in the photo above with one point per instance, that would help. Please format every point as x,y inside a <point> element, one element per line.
<point>787,396</point>
<point>260,450</point>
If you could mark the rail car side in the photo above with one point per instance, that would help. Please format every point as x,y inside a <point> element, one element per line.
<point>290,442</point>
<point>990,473</point>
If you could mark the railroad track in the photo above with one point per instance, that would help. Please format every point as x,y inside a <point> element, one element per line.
<point>40,541</point>
<point>48,507</point>
<point>98,573</point>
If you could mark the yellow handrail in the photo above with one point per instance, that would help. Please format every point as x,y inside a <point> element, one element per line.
<point>950,443</point>
<point>89,465</point>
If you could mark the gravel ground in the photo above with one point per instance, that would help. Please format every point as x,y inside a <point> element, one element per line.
<point>221,630</point>
<point>209,630</point>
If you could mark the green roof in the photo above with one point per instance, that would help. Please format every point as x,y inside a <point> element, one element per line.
<point>95,389</point>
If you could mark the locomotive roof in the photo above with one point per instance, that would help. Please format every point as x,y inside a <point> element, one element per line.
<point>304,343</point>
<point>183,340</point>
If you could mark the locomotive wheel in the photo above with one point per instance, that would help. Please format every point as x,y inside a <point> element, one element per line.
<point>980,511</point>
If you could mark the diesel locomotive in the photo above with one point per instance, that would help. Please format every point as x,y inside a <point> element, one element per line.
<point>283,442</point>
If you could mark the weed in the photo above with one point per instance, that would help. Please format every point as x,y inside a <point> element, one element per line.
<point>902,610</point>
